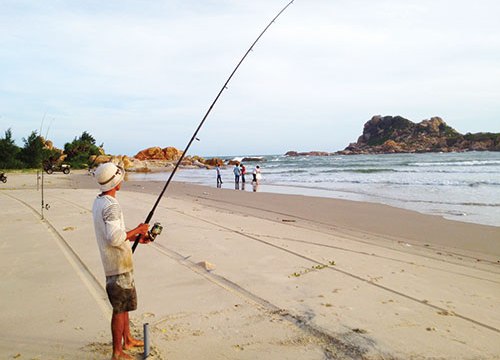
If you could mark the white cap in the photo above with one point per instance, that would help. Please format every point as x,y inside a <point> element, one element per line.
<point>108,176</point>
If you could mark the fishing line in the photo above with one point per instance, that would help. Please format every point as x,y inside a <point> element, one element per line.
<point>224,87</point>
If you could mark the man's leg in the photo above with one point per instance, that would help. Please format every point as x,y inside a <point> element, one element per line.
<point>128,341</point>
<point>117,330</point>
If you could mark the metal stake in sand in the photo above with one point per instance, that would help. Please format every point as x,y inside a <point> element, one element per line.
<point>224,87</point>
<point>146,340</point>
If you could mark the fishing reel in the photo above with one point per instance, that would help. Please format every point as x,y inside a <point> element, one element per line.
<point>155,231</point>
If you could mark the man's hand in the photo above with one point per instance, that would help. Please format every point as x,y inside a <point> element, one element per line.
<point>141,229</point>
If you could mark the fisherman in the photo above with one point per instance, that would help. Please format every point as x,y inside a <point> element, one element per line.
<point>116,256</point>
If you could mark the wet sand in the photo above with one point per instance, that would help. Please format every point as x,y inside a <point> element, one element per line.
<point>294,277</point>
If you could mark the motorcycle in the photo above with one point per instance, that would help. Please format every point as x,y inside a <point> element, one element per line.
<point>3,178</point>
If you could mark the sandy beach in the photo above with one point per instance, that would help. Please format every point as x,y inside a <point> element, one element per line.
<point>243,275</point>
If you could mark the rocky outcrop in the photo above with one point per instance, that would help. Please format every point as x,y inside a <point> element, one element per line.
<point>158,159</point>
<point>122,160</point>
<point>214,162</point>
<point>309,153</point>
<point>157,153</point>
<point>395,134</point>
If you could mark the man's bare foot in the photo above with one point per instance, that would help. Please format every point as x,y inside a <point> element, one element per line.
<point>132,343</point>
<point>121,356</point>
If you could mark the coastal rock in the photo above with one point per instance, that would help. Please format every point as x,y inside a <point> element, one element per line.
<point>152,153</point>
<point>395,134</point>
<point>122,160</point>
<point>390,146</point>
<point>253,159</point>
<point>156,153</point>
<point>100,159</point>
<point>171,153</point>
<point>214,162</point>
<point>309,153</point>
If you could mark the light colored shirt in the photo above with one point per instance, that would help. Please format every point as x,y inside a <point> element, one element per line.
<point>236,171</point>
<point>111,236</point>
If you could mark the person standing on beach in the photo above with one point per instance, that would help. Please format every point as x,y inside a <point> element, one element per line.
<point>243,172</point>
<point>236,171</point>
<point>219,178</point>
<point>256,175</point>
<point>116,256</point>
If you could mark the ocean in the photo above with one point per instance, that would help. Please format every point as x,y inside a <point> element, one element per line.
<point>458,186</point>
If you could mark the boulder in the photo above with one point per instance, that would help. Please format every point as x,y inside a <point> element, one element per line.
<point>127,163</point>
<point>152,153</point>
<point>214,162</point>
<point>100,159</point>
<point>390,146</point>
<point>171,153</point>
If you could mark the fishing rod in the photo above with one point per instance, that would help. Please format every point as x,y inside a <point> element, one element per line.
<point>224,87</point>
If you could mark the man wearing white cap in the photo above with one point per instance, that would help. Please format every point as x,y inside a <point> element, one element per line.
<point>116,256</point>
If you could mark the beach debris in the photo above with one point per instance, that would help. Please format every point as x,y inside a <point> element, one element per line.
<point>238,347</point>
<point>431,328</point>
<point>314,267</point>
<point>69,228</point>
<point>18,355</point>
<point>287,220</point>
<point>446,313</point>
<point>206,265</point>
<point>359,331</point>
<point>319,267</point>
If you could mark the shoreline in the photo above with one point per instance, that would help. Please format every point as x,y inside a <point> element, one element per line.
<point>372,218</point>
<point>451,206</point>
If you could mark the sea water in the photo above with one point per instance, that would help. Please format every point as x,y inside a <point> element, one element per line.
<point>459,186</point>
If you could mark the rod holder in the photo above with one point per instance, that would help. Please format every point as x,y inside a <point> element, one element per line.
<point>146,341</point>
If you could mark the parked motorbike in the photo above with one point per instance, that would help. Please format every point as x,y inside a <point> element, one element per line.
<point>3,178</point>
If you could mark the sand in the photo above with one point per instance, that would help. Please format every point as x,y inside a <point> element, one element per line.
<point>242,275</point>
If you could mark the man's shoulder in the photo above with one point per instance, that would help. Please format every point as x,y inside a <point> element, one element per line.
<point>105,201</point>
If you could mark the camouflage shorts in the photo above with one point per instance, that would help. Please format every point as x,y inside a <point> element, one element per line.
<point>121,292</point>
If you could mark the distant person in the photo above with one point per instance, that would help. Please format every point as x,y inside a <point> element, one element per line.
<point>256,175</point>
<point>219,178</point>
<point>237,173</point>
<point>116,256</point>
<point>243,172</point>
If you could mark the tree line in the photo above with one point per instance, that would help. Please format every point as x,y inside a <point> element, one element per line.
<point>34,151</point>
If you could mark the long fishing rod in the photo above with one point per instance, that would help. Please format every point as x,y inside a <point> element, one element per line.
<point>224,87</point>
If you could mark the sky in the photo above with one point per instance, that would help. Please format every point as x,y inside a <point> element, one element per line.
<point>142,73</point>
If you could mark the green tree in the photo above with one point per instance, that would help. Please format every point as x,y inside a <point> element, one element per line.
<point>80,149</point>
<point>9,152</point>
<point>32,154</point>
